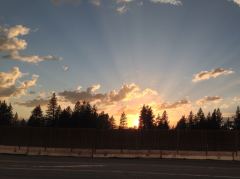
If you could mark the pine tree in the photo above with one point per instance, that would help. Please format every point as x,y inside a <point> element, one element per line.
<point>64,118</point>
<point>219,119</point>
<point>146,118</point>
<point>51,110</point>
<point>6,114</point>
<point>123,121</point>
<point>15,120</point>
<point>190,123</point>
<point>201,119</point>
<point>112,123</point>
<point>182,123</point>
<point>36,119</point>
<point>163,121</point>
<point>237,119</point>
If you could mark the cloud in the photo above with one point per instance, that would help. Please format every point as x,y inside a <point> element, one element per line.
<point>174,105</point>
<point>126,93</point>
<point>65,68</point>
<point>95,2</point>
<point>236,2</point>
<point>124,1</point>
<point>10,86</point>
<point>9,40</point>
<point>77,95</point>
<point>31,58</point>
<point>11,44</point>
<point>59,2</point>
<point>120,6</point>
<point>208,99</point>
<point>206,75</point>
<point>236,99</point>
<point>34,102</point>
<point>122,9</point>
<point>172,2</point>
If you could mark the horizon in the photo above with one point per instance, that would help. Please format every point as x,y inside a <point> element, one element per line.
<point>173,55</point>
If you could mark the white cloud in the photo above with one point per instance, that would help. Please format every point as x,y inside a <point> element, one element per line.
<point>172,2</point>
<point>122,9</point>
<point>65,68</point>
<point>206,75</point>
<point>9,40</point>
<point>236,2</point>
<point>11,44</point>
<point>10,86</point>
<point>95,2</point>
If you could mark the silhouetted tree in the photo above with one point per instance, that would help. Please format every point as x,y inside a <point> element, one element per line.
<point>182,123</point>
<point>228,125</point>
<point>64,118</point>
<point>6,114</point>
<point>190,121</point>
<point>51,110</point>
<point>123,121</point>
<point>15,121</point>
<point>163,122</point>
<point>36,119</point>
<point>146,118</point>
<point>112,122</point>
<point>103,121</point>
<point>216,120</point>
<point>237,119</point>
<point>57,116</point>
<point>84,115</point>
<point>219,118</point>
<point>200,119</point>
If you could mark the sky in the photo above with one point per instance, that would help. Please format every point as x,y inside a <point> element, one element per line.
<point>174,55</point>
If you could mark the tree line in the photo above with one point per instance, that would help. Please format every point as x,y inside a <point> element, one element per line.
<point>85,115</point>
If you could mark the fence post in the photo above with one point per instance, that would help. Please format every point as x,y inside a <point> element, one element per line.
<point>236,142</point>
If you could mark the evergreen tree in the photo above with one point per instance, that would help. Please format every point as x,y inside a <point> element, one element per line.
<point>216,120</point>
<point>112,123</point>
<point>123,121</point>
<point>163,122</point>
<point>146,118</point>
<point>103,121</point>
<point>64,118</point>
<point>182,123</point>
<point>51,110</point>
<point>190,123</point>
<point>237,119</point>
<point>200,118</point>
<point>15,120</point>
<point>219,119</point>
<point>36,119</point>
<point>208,119</point>
<point>6,114</point>
<point>228,125</point>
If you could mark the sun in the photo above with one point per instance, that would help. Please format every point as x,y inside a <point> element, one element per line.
<point>133,120</point>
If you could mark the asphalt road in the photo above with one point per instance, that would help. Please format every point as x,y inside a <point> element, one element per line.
<point>15,167</point>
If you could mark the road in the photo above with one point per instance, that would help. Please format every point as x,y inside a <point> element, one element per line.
<point>43,167</point>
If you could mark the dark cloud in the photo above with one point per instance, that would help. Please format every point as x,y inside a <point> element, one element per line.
<point>207,99</point>
<point>174,105</point>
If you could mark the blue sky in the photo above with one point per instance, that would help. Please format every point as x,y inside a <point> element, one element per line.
<point>155,46</point>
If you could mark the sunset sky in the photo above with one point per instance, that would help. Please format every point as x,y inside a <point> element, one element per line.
<point>174,55</point>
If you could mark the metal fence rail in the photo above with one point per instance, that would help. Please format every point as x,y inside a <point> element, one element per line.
<point>198,140</point>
